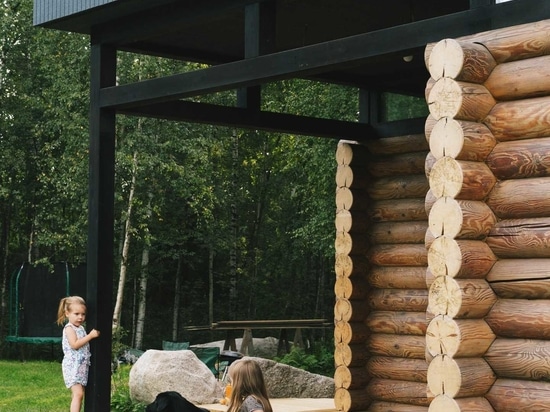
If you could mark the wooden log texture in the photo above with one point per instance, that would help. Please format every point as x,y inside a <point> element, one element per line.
<point>397,277</point>
<point>353,355</point>
<point>355,177</point>
<point>350,152</point>
<point>398,255</point>
<point>460,60</point>
<point>344,287</point>
<point>510,43</point>
<point>521,278</point>
<point>520,119</point>
<point>351,199</point>
<point>405,300</point>
<point>344,243</point>
<point>459,100</point>
<point>430,120</point>
<point>461,179</point>
<point>386,367</point>
<point>443,403</point>
<point>396,165</point>
<point>521,238</point>
<point>356,267</point>
<point>461,140</point>
<point>460,219</point>
<point>381,406</point>
<point>429,164</point>
<point>520,318</point>
<point>355,222</point>
<point>463,259</point>
<point>401,346</point>
<point>350,332</point>
<point>429,201</point>
<point>398,144</point>
<point>520,79</point>
<point>511,395</point>
<point>396,210</point>
<point>398,232</point>
<point>459,378</point>
<point>520,359</point>
<point>399,187</point>
<point>389,390</point>
<point>351,378</point>
<point>350,310</point>
<point>347,400</point>
<point>458,338</point>
<point>521,159</point>
<point>521,198</point>
<point>400,323</point>
<point>460,298</point>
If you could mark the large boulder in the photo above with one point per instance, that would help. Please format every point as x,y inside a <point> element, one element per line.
<point>159,371</point>
<point>284,381</point>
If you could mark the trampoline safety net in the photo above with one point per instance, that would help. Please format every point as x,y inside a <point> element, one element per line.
<point>34,297</point>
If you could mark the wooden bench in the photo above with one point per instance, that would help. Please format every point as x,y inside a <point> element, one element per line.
<point>288,405</point>
<point>283,325</point>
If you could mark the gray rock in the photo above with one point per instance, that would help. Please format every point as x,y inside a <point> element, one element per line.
<point>284,381</point>
<point>158,371</point>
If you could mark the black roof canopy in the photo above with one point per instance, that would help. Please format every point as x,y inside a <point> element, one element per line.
<point>356,42</point>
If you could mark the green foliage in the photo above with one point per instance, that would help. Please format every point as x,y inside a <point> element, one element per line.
<point>319,359</point>
<point>120,392</point>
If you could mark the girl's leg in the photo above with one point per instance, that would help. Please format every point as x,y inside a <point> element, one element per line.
<point>77,392</point>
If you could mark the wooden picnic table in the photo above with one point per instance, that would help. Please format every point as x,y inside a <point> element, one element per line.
<point>282,324</point>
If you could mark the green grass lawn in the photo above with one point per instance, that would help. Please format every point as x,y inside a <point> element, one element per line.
<point>37,386</point>
<point>34,386</point>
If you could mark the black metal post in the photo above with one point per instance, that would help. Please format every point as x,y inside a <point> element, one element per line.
<point>100,228</point>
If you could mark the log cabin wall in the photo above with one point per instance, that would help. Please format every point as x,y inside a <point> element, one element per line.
<point>381,260</point>
<point>443,279</point>
<point>488,340</point>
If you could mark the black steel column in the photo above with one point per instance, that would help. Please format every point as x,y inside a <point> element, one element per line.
<point>100,266</point>
<point>259,39</point>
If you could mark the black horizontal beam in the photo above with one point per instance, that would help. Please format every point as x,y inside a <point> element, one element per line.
<point>252,119</point>
<point>205,113</point>
<point>323,57</point>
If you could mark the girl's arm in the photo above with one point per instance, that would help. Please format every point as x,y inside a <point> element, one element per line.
<point>76,343</point>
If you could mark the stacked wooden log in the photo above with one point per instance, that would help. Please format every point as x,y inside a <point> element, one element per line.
<point>381,260</point>
<point>488,340</point>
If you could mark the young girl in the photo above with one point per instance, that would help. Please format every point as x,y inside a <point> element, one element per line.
<point>76,347</point>
<point>249,393</point>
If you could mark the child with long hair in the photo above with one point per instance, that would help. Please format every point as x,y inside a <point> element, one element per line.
<point>249,393</point>
<point>76,347</point>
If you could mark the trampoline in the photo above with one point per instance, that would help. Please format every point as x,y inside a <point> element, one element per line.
<point>34,295</point>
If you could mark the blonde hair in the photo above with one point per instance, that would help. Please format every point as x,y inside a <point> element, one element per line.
<point>65,305</point>
<point>247,379</point>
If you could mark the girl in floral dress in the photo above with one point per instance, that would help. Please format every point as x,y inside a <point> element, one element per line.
<point>76,347</point>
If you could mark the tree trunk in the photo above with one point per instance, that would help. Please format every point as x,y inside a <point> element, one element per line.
<point>177,300</point>
<point>125,249</point>
<point>144,277</point>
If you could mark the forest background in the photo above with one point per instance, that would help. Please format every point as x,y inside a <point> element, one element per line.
<point>211,223</point>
